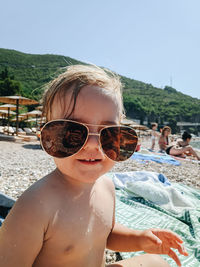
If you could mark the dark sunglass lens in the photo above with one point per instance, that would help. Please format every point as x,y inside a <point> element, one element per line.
<point>63,138</point>
<point>118,142</point>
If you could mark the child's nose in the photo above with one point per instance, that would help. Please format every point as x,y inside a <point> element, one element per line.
<point>92,142</point>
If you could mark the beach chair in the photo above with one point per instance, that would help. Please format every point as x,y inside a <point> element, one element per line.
<point>21,132</point>
<point>9,130</point>
<point>29,131</point>
<point>1,129</point>
<point>34,130</point>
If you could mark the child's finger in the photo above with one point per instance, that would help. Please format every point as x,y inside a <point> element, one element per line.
<point>168,234</point>
<point>174,236</point>
<point>180,247</point>
<point>173,255</point>
<point>182,250</point>
<point>178,239</point>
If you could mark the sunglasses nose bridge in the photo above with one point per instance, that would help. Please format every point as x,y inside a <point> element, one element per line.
<point>93,139</point>
<point>97,135</point>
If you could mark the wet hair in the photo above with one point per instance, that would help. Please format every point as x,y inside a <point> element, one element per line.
<point>166,128</point>
<point>74,79</point>
<point>186,135</point>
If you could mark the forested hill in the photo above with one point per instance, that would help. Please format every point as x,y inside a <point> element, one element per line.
<point>141,100</point>
<point>33,71</point>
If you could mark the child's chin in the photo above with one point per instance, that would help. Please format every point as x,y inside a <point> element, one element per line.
<point>90,179</point>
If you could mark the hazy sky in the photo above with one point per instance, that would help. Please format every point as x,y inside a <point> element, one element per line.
<point>154,41</point>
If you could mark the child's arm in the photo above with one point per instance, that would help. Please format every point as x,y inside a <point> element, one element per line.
<point>21,235</point>
<point>155,241</point>
<point>157,134</point>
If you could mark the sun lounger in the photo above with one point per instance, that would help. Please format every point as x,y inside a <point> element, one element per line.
<point>9,130</point>
<point>21,132</point>
<point>34,130</point>
<point>29,131</point>
<point>1,129</point>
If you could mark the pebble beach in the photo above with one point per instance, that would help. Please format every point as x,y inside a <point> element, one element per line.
<point>21,164</point>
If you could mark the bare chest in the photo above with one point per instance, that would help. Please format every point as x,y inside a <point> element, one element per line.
<point>79,227</point>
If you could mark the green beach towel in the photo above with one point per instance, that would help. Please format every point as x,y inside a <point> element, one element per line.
<point>139,213</point>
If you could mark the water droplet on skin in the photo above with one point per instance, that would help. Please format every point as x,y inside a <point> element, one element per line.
<point>90,225</point>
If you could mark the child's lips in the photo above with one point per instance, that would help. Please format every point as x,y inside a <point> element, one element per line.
<point>89,161</point>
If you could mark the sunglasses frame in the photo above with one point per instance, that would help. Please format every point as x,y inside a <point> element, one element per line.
<point>88,134</point>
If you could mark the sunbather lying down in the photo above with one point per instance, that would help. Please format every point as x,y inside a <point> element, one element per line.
<point>181,148</point>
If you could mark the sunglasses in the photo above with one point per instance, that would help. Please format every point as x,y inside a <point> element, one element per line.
<point>64,138</point>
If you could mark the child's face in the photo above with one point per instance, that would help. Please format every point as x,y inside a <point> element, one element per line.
<point>93,106</point>
<point>154,127</point>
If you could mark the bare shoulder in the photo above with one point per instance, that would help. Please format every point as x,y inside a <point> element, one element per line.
<point>33,203</point>
<point>23,231</point>
<point>108,183</point>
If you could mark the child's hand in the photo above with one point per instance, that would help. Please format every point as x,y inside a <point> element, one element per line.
<point>158,241</point>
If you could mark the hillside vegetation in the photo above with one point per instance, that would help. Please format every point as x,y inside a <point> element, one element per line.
<point>142,101</point>
<point>33,71</point>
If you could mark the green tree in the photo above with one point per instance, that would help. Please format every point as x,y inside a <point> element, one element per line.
<point>8,86</point>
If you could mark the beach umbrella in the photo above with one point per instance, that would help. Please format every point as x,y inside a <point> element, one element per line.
<point>2,112</point>
<point>128,122</point>
<point>6,113</point>
<point>39,108</point>
<point>31,120</point>
<point>17,100</point>
<point>20,118</point>
<point>35,113</point>
<point>8,107</point>
<point>140,127</point>
<point>25,115</point>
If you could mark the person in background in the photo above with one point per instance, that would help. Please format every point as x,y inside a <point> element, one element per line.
<point>181,149</point>
<point>185,139</point>
<point>163,141</point>
<point>185,144</point>
<point>154,134</point>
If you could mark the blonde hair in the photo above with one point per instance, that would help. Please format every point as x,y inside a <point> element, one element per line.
<point>78,76</point>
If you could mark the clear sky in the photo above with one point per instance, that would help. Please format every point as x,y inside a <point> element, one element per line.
<point>154,41</point>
